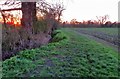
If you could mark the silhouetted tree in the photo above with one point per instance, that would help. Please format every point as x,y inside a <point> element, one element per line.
<point>28,14</point>
<point>3,16</point>
<point>28,11</point>
<point>51,13</point>
<point>102,19</point>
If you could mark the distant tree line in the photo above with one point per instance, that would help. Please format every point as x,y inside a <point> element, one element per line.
<point>91,24</point>
<point>100,22</point>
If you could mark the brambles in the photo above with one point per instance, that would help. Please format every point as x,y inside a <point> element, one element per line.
<point>16,39</point>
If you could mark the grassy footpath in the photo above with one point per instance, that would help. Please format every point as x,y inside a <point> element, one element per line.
<point>69,55</point>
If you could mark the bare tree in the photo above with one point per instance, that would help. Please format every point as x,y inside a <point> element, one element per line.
<point>58,9</point>
<point>28,11</point>
<point>54,10</point>
<point>28,14</point>
<point>52,13</point>
<point>102,19</point>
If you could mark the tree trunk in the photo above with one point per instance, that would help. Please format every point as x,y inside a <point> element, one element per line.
<point>28,14</point>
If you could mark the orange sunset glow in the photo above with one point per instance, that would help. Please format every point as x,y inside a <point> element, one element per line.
<point>15,21</point>
<point>12,18</point>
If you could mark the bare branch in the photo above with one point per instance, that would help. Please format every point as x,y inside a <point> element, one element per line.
<point>3,17</point>
<point>11,9</point>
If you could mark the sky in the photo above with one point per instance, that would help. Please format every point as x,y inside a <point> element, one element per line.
<point>88,9</point>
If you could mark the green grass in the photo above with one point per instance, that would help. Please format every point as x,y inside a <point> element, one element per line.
<point>110,31</point>
<point>0,69</point>
<point>70,56</point>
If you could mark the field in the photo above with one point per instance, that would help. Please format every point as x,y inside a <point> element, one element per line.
<point>68,55</point>
<point>107,34</point>
<point>109,31</point>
